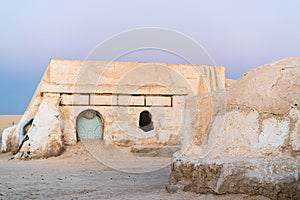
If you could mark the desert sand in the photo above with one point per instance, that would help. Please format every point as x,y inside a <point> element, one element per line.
<point>9,120</point>
<point>76,174</point>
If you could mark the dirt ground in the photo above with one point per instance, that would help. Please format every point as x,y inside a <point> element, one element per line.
<point>77,175</point>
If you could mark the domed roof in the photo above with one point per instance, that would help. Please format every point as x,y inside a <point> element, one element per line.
<point>272,88</point>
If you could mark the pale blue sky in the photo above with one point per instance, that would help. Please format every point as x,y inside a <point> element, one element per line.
<point>240,35</point>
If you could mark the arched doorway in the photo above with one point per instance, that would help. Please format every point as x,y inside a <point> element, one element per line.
<point>89,125</point>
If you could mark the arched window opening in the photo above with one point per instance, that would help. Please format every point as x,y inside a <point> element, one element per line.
<point>145,121</point>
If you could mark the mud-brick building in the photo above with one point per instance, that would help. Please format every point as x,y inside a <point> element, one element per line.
<point>122,103</point>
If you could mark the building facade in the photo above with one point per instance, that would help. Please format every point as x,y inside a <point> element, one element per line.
<point>121,103</point>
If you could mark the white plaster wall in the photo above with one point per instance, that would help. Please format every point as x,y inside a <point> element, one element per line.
<point>274,133</point>
<point>261,118</point>
<point>121,123</point>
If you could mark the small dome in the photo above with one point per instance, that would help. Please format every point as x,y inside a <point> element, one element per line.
<point>272,88</point>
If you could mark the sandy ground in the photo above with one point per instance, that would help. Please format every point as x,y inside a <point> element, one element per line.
<point>77,175</point>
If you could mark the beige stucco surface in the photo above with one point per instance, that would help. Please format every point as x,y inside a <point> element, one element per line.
<point>261,117</point>
<point>118,92</point>
<point>250,145</point>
